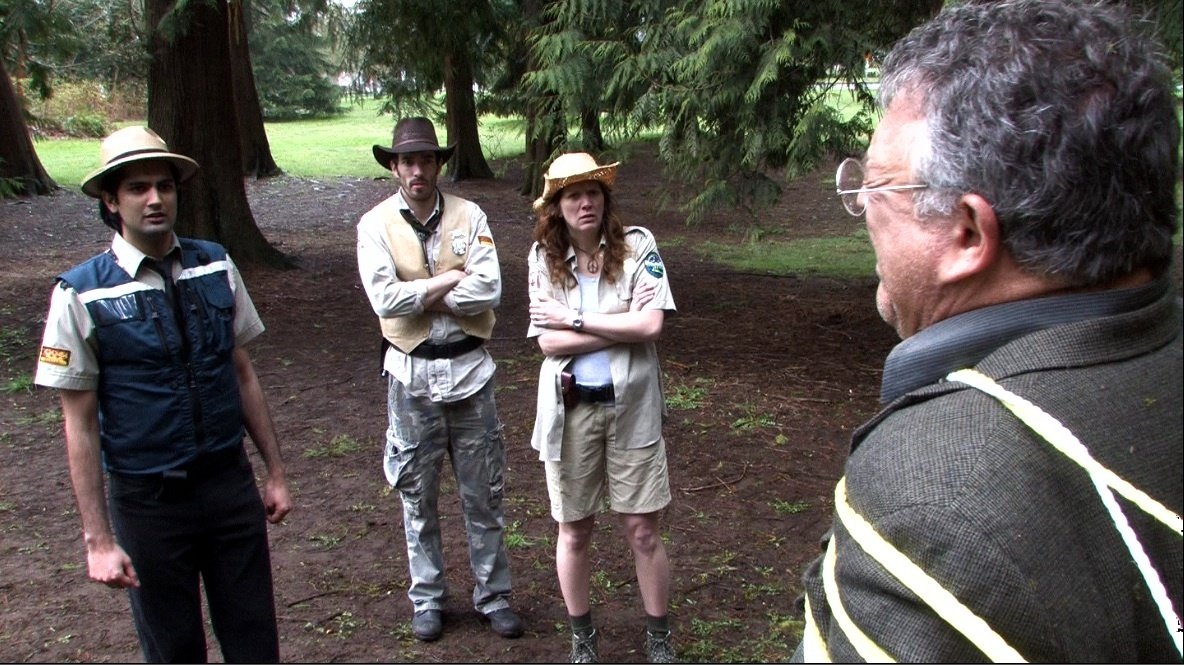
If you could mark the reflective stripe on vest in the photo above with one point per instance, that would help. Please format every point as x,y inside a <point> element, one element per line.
<point>1106,482</point>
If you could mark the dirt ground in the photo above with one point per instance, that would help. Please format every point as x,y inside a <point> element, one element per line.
<point>767,375</point>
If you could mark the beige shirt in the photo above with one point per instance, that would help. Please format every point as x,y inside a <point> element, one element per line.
<point>70,332</point>
<point>443,380</point>
<point>637,378</point>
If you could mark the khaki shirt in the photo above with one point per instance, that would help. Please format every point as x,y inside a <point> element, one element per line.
<point>69,328</point>
<point>637,378</point>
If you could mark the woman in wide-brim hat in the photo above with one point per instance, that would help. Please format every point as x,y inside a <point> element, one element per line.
<point>599,293</point>
<point>603,246</point>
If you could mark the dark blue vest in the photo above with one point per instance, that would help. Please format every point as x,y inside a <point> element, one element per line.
<point>168,390</point>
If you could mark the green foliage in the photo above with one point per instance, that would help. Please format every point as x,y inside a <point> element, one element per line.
<point>751,419</point>
<point>23,383</point>
<point>292,67</point>
<point>683,396</point>
<point>400,49</point>
<point>839,256</point>
<point>790,507</point>
<point>10,187</point>
<point>340,446</point>
<point>76,108</point>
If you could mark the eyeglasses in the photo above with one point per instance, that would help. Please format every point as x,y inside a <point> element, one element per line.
<point>849,185</point>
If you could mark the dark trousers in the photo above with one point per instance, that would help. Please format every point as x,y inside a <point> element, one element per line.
<point>208,528</point>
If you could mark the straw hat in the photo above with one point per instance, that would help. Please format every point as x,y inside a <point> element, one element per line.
<point>135,144</point>
<point>412,135</point>
<point>573,167</point>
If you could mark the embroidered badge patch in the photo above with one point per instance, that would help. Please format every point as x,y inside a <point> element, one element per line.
<point>653,265</point>
<point>52,356</point>
<point>485,240</point>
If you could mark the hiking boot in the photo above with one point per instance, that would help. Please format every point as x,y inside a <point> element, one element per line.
<point>583,648</point>
<point>658,647</point>
<point>427,625</point>
<point>505,622</point>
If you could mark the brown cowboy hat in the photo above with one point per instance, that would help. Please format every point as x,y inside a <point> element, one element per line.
<point>412,135</point>
<point>573,167</point>
<point>134,144</point>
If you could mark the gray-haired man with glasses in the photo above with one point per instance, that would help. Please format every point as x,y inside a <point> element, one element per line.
<point>1019,495</point>
<point>849,186</point>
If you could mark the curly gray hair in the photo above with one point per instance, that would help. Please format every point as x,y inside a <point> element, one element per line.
<point>1060,114</point>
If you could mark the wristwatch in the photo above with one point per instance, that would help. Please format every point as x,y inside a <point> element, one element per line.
<point>577,323</point>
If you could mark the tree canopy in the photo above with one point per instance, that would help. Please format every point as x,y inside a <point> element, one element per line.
<point>741,93</point>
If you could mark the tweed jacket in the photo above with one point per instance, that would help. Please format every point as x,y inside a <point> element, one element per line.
<point>1007,524</point>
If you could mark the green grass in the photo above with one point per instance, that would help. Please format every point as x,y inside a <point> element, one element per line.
<point>842,256</point>
<point>340,446</point>
<point>324,148</point>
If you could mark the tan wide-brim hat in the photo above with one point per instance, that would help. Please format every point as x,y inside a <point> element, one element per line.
<point>412,135</point>
<point>135,144</point>
<point>573,167</point>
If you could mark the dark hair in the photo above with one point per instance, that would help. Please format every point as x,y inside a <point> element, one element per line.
<point>109,184</point>
<point>1061,114</point>
<point>550,231</point>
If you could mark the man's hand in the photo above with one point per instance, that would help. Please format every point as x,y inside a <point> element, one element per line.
<point>107,563</point>
<point>277,501</point>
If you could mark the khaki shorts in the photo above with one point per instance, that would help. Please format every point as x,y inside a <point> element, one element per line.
<point>594,469</point>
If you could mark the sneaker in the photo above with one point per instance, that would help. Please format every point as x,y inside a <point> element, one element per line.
<point>658,647</point>
<point>428,625</point>
<point>583,648</point>
<point>505,622</point>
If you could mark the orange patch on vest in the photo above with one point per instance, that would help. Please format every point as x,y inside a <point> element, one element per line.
<point>485,240</point>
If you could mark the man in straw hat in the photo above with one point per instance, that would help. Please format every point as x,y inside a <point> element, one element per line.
<point>145,344</point>
<point>430,268</point>
<point>599,293</point>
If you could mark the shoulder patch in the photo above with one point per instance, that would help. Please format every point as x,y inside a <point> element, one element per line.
<point>52,356</point>
<point>485,240</point>
<point>653,265</point>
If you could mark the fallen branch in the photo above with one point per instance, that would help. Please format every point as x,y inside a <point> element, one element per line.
<point>720,482</point>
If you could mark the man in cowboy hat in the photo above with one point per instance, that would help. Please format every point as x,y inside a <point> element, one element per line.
<point>145,344</point>
<point>430,268</point>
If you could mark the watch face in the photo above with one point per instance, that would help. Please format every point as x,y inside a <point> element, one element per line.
<point>578,322</point>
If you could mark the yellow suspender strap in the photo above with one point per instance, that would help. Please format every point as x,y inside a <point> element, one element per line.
<point>868,650</point>
<point>813,646</point>
<point>927,589</point>
<point>1106,482</point>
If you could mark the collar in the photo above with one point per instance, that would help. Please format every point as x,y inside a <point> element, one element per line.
<point>571,249</point>
<point>130,258</point>
<point>424,229</point>
<point>962,341</point>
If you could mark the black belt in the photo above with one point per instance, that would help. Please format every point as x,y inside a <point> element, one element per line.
<point>598,394</point>
<point>449,350</point>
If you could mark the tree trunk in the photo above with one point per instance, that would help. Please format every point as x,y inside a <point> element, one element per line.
<point>20,169</point>
<point>545,133</point>
<point>468,162</point>
<point>590,134</point>
<point>257,159</point>
<point>191,105</point>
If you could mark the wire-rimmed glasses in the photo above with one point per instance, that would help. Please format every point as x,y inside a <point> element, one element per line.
<point>849,186</point>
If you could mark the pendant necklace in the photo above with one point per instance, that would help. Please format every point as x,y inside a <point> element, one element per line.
<point>593,265</point>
